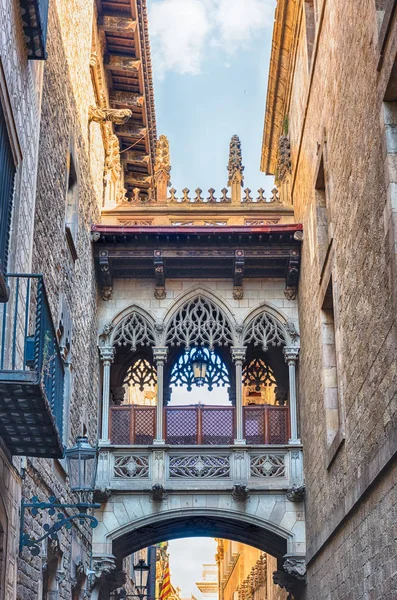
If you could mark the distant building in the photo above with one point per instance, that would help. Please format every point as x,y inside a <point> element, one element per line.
<point>208,585</point>
<point>245,573</point>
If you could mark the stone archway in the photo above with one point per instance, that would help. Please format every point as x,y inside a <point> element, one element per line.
<point>269,522</point>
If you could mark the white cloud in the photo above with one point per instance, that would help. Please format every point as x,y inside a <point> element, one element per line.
<point>178,29</point>
<point>181,30</point>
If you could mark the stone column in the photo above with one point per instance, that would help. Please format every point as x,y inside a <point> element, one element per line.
<point>291,358</point>
<point>238,355</point>
<point>160,357</point>
<point>107,357</point>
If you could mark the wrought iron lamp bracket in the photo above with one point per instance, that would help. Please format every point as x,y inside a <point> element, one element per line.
<point>51,531</point>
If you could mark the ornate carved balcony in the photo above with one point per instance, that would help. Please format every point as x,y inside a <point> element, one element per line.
<point>199,425</point>
<point>31,371</point>
<point>259,467</point>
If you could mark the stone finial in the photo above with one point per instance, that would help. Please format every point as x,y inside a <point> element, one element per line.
<point>136,195</point>
<point>162,168</point>
<point>247,195</point>
<point>198,197</point>
<point>211,197</point>
<point>235,165</point>
<point>224,197</point>
<point>119,116</point>
<point>185,197</point>
<point>261,195</point>
<point>275,196</point>
<point>172,197</point>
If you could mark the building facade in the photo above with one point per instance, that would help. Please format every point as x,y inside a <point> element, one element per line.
<point>245,572</point>
<point>329,138</point>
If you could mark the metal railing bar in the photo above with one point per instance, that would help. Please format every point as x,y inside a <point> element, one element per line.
<point>14,334</point>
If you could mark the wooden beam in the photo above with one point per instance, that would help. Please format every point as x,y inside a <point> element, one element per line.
<point>126,64</point>
<point>136,158</point>
<point>131,130</point>
<point>112,24</point>
<point>126,99</point>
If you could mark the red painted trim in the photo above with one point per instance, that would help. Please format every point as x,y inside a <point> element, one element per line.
<point>121,229</point>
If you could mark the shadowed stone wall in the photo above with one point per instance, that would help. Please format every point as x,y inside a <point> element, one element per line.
<point>66,95</point>
<point>342,192</point>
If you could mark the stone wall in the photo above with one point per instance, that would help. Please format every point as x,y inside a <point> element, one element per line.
<point>141,292</point>
<point>67,94</point>
<point>350,498</point>
<point>20,83</point>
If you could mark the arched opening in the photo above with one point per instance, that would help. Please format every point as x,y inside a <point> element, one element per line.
<point>198,379</point>
<point>262,552</point>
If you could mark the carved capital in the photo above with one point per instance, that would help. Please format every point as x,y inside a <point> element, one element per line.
<point>102,495</point>
<point>103,565</point>
<point>238,354</point>
<point>107,354</point>
<point>295,566</point>
<point>291,355</point>
<point>296,493</point>
<point>238,292</point>
<point>240,492</point>
<point>160,355</point>
<point>107,292</point>
<point>113,115</point>
<point>158,493</point>
<point>290,293</point>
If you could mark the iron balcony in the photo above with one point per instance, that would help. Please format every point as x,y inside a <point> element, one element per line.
<point>31,371</point>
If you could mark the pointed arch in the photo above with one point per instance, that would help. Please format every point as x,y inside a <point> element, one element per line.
<point>134,328</point>
<point>266,327</point>
<point>199,319</point>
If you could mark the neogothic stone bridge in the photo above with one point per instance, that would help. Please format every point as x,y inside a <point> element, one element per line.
<point>169,471</point>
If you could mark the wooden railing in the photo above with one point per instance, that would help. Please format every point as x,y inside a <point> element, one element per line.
<point>199,425</point>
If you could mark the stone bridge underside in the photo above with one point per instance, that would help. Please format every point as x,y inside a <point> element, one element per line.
<point>270,522</point>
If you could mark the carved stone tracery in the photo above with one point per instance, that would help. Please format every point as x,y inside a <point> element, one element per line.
<point>199,322</point>
<point>264,330</point>
<point>134,330</point>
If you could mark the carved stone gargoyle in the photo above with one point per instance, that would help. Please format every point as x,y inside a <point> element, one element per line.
<point>158,493</point>
<point>240,492</point>
<point>113,115</point>
<point>296,493</point>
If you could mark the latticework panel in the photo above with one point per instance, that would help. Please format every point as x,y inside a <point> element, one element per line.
<point>144,424</point>
<point>181,425</point>
<point>217,425</point>
<point>254,424</point>
<point>268,465</point>
<point>131,467</point>
<point>278,419</point>
<point>120,425</point>
<point>199,467</point>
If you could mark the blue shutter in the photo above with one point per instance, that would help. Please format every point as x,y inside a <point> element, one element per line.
<point>7,176</point>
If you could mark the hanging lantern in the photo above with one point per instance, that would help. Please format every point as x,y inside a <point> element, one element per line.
<point>81,465</point>
<point>199,366</point>
<point>141,571</point>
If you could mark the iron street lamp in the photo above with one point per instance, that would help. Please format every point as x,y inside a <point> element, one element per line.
<point>81,462</point>
<point>141,571</point>
<point>199,366</point>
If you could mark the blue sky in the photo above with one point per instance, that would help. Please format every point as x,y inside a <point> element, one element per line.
<point>210,63</point>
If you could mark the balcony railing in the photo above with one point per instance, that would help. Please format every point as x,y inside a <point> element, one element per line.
<point>34,15</point>
<point>199,425</point>
<point>31,371</point>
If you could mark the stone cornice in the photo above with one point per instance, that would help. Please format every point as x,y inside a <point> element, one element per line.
<point>279,81</point>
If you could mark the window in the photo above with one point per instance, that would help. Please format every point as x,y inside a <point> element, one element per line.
<point>324,229</point>
<point>72,205</point>
<point>390,156</point>
<point>330,368</point>
<point>310,28</point>
<point>7,177</point>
